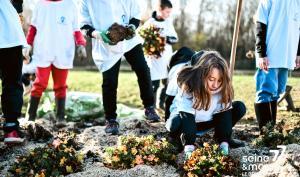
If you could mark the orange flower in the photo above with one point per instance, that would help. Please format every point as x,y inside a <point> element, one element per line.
<point>151,157</point>
<point>139,160</point>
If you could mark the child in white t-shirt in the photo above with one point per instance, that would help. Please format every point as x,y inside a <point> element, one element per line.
<point>158,66</point>
<point>53,33</point>
<point>204,101</point>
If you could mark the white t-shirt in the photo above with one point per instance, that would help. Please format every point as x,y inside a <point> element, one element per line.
<point>54,42</point>
<point>172,88</point>
<point>158,66</point>
<point>11,33</point>
<point>282,18</point>
<point>184,103</point>
<point>101,14</point>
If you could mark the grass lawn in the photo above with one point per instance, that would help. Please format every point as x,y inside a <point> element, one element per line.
<point>128,90</point>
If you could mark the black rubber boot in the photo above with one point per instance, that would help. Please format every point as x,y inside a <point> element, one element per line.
<point>264,114</point>
<point>274,111</point>
<point>33,106</point>
<point>60,112</point>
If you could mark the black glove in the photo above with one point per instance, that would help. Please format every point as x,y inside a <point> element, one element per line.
<point>130,31</point>
<point>171,40</point>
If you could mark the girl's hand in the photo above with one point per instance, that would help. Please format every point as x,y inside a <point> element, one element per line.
<point>297,62</point>
<point>263,63</point>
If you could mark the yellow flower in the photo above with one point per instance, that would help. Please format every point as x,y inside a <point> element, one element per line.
<point>62,161</point>
<point>206,145</point>
<point>115,158</point>
<point>202,158</point>
<point>18,170</point>
<point>123,148</point>
<point>133,151</point>
<point>156,159</point>
<point>80,157</point>
<point>69,169</point>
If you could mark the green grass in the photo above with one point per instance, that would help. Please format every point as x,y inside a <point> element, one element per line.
<point>128,90</point>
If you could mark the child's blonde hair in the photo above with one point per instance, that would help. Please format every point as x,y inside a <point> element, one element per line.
<point>193,80</point>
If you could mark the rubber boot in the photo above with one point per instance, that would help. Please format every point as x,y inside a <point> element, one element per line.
<point>33,106</point>
<point>264,114</point>
<point>60,112</point>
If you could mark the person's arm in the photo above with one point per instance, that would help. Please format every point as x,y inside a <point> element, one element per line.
<point>87,30</point>
<point>298,52</point>
<point>189,128</point>
<point>18,5</point>
<point>31,34</point>
<point>168,103</point>
<point>261,47</point>
<point>135,22</point>
<point>298,56</point>
<point>172,37</point>
<point>261,33</point>
<point>172,40</point>
<point>79,39</point>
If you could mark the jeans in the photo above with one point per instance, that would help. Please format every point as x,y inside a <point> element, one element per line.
<point>270,85</point>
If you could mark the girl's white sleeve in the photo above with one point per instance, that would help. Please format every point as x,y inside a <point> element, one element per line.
<point>185,103</point>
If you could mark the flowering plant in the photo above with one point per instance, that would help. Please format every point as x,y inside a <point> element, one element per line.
<point>154,44</point>
<point>132,151</point>
<point>209,161</point>
<point>55,159</point>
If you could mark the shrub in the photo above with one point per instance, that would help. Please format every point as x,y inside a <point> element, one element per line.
<point>132,151</point>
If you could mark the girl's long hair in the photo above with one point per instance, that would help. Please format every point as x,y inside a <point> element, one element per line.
<point>193,80</point>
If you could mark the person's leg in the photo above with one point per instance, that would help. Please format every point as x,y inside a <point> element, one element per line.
<point>60,89</point>
<point>223,130</point>
<point>188,136</point>
<point>282,77</point>
<point>169,101</point>
<point>136,59</point>
<point>155,86</point>
<point>174,126</point>
<point>39,85</point>
<point>238,111</point>
<point>109,94</point>
<point>26,79</point>
<point>12,91</point>
<point>162,93</point>
<point>223,126</point>
<point>266,92</point>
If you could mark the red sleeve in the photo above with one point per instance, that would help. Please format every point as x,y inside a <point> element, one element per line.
<point>79,39</point>
<point>31,34</point>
